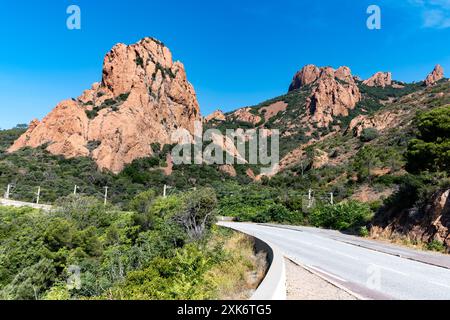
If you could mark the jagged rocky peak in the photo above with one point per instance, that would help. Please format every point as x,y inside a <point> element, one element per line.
<point>379,79</point>
<point>436,75</point>
<point>311,73</point>
<point>143,97</point>
<point>308,74</point>
<point>333,92</point>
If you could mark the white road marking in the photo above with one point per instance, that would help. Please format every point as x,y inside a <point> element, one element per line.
<point>327,273</point>
<point>336,252</point>
<point>392,270</point>
<point>440,284</point>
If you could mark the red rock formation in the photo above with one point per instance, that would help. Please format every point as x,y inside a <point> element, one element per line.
<point>143,97</point>
<point>381,121</point>
<point>245,115</point>
<point>217,115</point>
<point>436,75</point>
<point>379,79</point>
<point>309,74</point>
<point>334,93</point>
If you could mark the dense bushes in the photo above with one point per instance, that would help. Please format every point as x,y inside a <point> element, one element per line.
<point>431,149</point>
<point>177,277</point>
<point>259,203</point>
<point>112,249</point>
<point>343,216</point>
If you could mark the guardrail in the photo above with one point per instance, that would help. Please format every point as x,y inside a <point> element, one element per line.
<point>273,286</point>
<point>18,204</point>
<point>226,219</point>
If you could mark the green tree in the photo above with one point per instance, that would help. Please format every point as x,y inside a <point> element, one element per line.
<point>431,149</point>
<point>199,212</point>
<point>365,161</point>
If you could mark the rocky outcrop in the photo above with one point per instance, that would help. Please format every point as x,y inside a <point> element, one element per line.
<point>143,97</point>
<point>381,121</point>
<point>436,75</point>
<point>217,115</point>
<point>427,223</point>
<point>244,115</point>
<point>379,79</point>
<point>334,93</point>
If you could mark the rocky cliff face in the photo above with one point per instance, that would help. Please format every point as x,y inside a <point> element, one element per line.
<point>379,79</point>
<point>143,97</point>
<point>436,75</point>
<point>432,222</point>
<point>334,92</point>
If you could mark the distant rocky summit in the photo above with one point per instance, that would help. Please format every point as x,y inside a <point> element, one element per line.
<point>436,75</point>
<point>143,97</point>
<point>334,92</point>
<point>379,79</point>
<point>217,115</point>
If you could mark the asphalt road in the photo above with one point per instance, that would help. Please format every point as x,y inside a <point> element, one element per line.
<point>370,269</point>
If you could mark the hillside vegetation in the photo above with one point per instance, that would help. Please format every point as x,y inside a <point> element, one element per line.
<point>157,250</point>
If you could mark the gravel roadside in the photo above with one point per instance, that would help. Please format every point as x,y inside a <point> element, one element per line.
<point>304,285</point>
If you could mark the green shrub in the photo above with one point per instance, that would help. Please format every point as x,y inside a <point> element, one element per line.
<point>139,61</point>
<point>363,231</point>
<point>436,245</point>
<point>198,213</point>
<point>431,149</point>
<point>180,277</point>
<point>143,201</point>
<point>368,134</point>
<point>342,216</point>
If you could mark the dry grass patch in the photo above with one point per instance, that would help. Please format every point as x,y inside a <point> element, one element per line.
<point>240,274</point>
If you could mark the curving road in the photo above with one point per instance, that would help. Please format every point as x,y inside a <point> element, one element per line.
<point>369,269</point>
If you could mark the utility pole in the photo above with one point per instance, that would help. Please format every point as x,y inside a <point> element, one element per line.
<point>38,195</point>
<point>309,198</point>
<point>75,190</point>
<point>8,189</point>
<point>106,195</point>
<point>331,198</point>
<point>166,187</point>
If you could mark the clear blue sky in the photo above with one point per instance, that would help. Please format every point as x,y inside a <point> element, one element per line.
<point>236,52</point>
